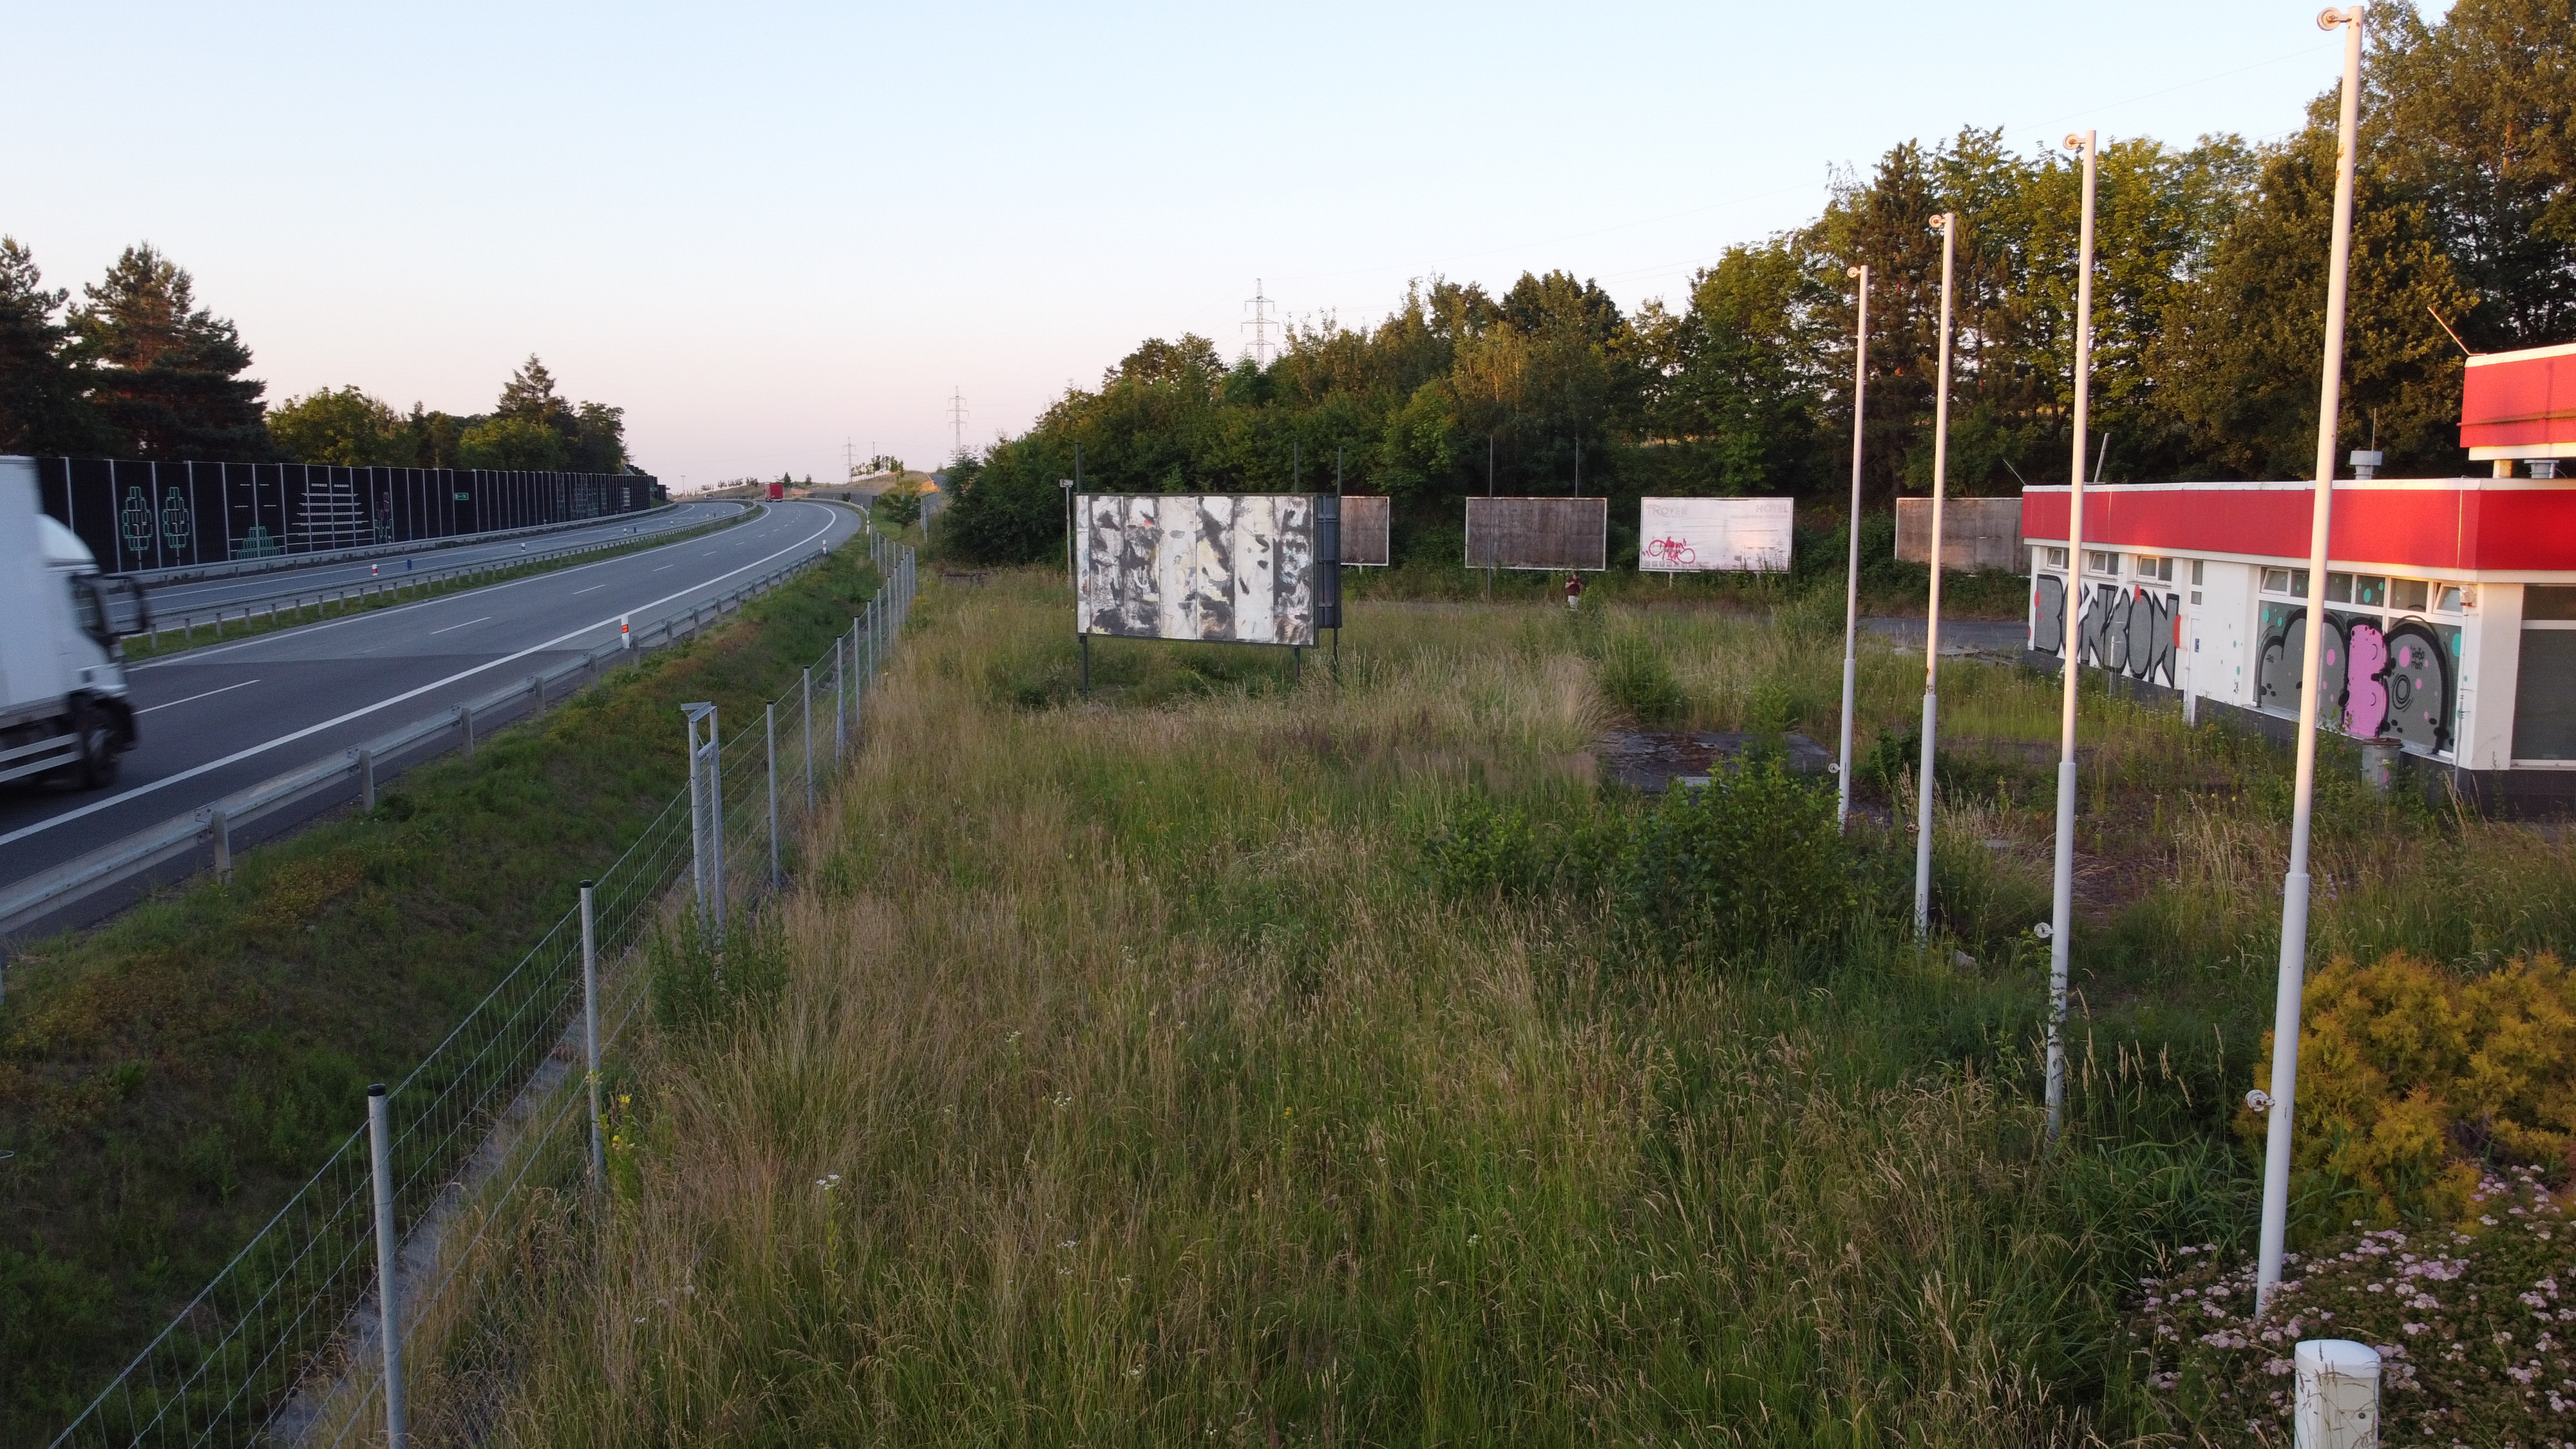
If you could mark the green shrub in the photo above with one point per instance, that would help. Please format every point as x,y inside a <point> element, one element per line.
<point>1635,676</point>
<point>698,980</point>
<point>1753,860</point>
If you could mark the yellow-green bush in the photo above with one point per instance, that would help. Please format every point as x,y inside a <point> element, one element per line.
<point>2412,1077</point>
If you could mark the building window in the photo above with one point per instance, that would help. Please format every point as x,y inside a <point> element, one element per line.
<point>2148,566</point>
<point>2357,589</point>
<point>2293,582</point>
<point>2544,705</point>
<point>2056,558</point>
<point>2411,595</point>
<point>2448,598</point>
<point>2097,561</point>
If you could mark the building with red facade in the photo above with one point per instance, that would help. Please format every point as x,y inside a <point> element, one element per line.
<point>2450,603</point>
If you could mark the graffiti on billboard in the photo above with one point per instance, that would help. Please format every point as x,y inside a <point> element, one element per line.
<point>2379,678</point>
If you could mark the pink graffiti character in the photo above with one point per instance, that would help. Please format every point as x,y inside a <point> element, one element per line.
<point>2366,706</point>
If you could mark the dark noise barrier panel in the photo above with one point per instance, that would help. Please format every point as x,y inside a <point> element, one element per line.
<point>1538,533</point>
<point>138,515</point>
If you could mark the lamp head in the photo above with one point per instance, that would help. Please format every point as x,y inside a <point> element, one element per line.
<point>2330,18</point>
<point>2078,140</point>
<point>1855,271</point>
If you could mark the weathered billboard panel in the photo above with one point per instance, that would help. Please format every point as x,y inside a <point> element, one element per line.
<point>1235,568</point>
<point>1713,535</point>
<point>1976,533</point>
<point>1367,531</point>
<point>1538,533</point>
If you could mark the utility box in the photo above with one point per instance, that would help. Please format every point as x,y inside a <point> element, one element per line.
<point>1976,533</point>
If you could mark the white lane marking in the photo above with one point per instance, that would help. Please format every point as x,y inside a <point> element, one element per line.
<point>237,756</point>
<point>594,588</point>
<point>306,631</point>
<point>452,628</point>
<point>664,569</point>
<point>192,699</point>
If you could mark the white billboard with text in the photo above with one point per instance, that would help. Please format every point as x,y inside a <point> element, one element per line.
<point>1713,535</point>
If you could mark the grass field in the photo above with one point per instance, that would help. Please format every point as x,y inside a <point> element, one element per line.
<point>167,1079</point>
<point>1152,1071</point>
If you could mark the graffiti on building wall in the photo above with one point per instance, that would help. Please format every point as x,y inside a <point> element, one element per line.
<point>2126,628</point>
<point>2396,679</point>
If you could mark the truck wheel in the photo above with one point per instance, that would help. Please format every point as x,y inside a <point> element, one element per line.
<point>96,767</point>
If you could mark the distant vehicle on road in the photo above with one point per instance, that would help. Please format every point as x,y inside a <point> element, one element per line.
<point>63,709</point>
<point>777,491</point>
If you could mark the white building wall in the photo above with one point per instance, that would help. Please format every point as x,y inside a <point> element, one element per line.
<point>2490,660</point>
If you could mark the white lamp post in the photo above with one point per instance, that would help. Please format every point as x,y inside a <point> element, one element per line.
<point>2061,916</point>
<point>1851,577</point>
<point>2294,887</point>
<point>1948,221</point>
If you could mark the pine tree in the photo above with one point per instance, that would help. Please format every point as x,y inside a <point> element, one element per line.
<point>43,407</point>
<point>169,381</point>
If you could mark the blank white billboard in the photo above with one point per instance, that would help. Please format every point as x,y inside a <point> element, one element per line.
<point>1230,567</point>
<point>1713,535</point>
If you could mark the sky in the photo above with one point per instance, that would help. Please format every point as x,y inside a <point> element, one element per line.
<point>777,232</point>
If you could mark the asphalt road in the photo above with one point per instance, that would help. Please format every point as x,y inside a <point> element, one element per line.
<point>172,602</point>
<point>216,719</point>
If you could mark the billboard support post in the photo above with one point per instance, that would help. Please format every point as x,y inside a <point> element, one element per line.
<point>1851,526</point>
<point>1948,221</point>
<point>2061,912</point>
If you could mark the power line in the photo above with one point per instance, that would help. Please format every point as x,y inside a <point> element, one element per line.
<point>957,420</point>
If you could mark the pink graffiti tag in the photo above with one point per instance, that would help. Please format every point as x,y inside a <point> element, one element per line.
<point>2366,708</point>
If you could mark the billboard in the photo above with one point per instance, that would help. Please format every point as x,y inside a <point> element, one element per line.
<point>1366,533</point>
<point>1713,535</point>
<point>1976,533</point>
<point>1538,533</point>
<point>1241,568</point>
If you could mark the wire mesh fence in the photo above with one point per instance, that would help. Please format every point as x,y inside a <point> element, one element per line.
<point>284,1345</point>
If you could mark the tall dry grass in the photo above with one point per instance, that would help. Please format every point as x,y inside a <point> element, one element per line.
<point>1125,1089</point>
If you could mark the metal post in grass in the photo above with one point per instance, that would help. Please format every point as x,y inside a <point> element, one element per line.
<point>769,732</point>
<point>840,699</point>
<point>590,1028</point>
<point>1851,577</point>
<point>366,778</point>
<point>380,1154</point>
<point>1948,221</point>
<point>223,832</point>
<point>2061,913</point>
<point>690,715</point>
<point>2336,1405</point>
<point>716,820</point>
<point>809,738</point>
<point>2294,885</point>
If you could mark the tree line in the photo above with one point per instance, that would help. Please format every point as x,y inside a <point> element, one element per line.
<point>2209,296</point>
<point>138,369</point>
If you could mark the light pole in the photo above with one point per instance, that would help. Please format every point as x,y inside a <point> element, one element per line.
<point>2294,886</point>
<point>1948,221</point>
<point>2061,915</point>
<point>1851,576</point>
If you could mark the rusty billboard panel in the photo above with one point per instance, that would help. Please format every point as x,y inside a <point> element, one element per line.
<point>1237,568</point>
<point>1976,533</point>
<point>1367,531</point>
<point>1713,535</point>
<point>1538,533</point>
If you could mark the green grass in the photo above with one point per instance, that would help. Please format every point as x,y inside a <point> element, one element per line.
<point>168,1079</point>
<point>144,646</point>
<point>1129,1074</point>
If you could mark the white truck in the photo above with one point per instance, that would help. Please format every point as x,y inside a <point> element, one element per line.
<point>63,710</point>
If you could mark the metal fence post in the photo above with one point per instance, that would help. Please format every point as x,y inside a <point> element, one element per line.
<point>380,1151</point>
<point>537,687</point>
<point>697,807</point>
<point>223,830</point>
<point>716,818</point>
<point>809,738</point>
<point>590,1027</point>
<point>840,703</point>
<point>366,778</point>
<point>465,723</point>
<point>769,732</point>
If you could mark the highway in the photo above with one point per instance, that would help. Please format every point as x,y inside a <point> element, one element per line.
<point>215,719</point>
<point>202,597</point>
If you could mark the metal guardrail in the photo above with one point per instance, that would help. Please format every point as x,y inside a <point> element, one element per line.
<point>286,1344</point>
<point>212,825</point>
<point>251,610</point>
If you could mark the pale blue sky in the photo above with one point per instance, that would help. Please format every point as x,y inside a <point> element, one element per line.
<point>767,228</point>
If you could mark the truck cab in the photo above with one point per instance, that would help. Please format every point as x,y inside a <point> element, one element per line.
<point>63,707</point>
